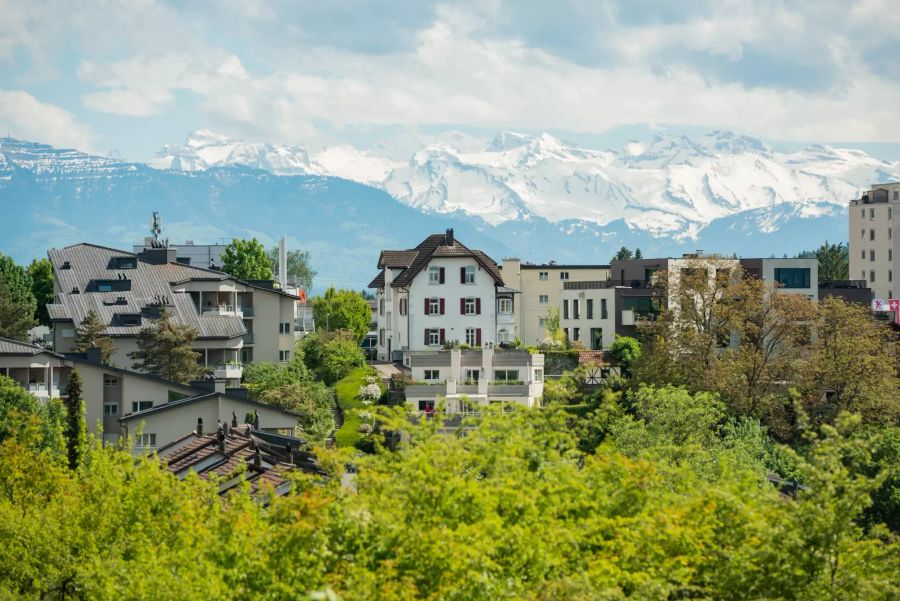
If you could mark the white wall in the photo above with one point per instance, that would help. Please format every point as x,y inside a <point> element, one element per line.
<point>584,324</point>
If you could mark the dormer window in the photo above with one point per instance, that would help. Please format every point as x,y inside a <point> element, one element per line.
<point>123,263</point>
<point>129,319</point>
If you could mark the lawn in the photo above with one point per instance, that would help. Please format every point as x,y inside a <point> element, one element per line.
<point>347,395</point>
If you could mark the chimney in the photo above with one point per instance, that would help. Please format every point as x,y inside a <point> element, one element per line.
<point>220,439</point>
<point>448,237</point>
<point>257,459</point>
<point>219,386</point>
<point>256,420</point>
<point>199,426</point>
<point>282,263</point>
<point>233,419</point>
<point>225,428</point>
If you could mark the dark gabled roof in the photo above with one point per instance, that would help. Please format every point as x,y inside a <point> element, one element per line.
<point>378,282</point>
<point>146,283</point>
<point>9,346</point>
<point>198,398</point>
<point>414,260</point>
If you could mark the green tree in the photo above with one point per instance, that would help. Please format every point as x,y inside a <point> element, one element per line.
<point>623,254</point>
<point>17,406</point>
<point>164,349</point>
<point>331,355</point>
<point>260,377</point>
<point>314,401</point>
<point>834,261</point>
<point>625,351</point>
<point>299,271</point>
<point>638,254</point>
<point>76,430</point>
<point>247,260</point>
<point>41,273</point>
<point>555,337</point>
<point>89,334</point>
<point>342,310</point>
<point>16,312</point>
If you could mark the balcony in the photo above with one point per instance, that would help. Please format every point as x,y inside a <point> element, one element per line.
<point>246,311</point>
<point>228,310</point>
<point>426,390</point>
<point>248,339</point>
<point>507,389</point>
<point>38,389</point>
<point>228,371</point>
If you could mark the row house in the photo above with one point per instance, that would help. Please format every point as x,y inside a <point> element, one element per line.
<point>236,321</point>
<point>121,403</point>
<point>438,294</point>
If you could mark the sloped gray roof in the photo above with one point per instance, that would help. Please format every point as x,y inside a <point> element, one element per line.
<point>147,283</point>
<point>17,347</point>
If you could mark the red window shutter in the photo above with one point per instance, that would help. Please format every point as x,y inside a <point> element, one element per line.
<point>442,335</point>
<point>426,306</point>
<point>477,306</point>
<point>462,306</point>
<point>442,306</point>
<point>477,336</point>
<point>441,276</point>
<point>462,275</point>
<point>426,337</point>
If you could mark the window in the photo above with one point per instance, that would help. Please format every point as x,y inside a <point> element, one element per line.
<point>426,405</point>
<point>141,406</point>
<point>890,210</point>
<point>538,375</point>
<point>576,333</point>
<point>890,234</point>
<point>470,336</point>
<point>505,305</point>
<point>863,234</point>
<point>896,197</point>
<point>565,309</point>
<point>641,305</point>
<point>863,276</point>
<point>872,276</point>
<point>104,287</point>
<point>110,380</point>
<point>862,213</point>
<point>402,306</point>
<point>472,375</point>
<point>872,255</point>
<point>145,440</point>
<point>590,308</point>
<point>871,234</point>
<point>542,322</point>
<point>603,314</point>
<point>467,275</point>
<point>890,275</point>
<point>284,328</point>
<point>862,254</point>
<point>130,319</point>
<point>67,332</point>
<point>435,275</point>
<point>503,335</point>
<point>792,277</point>
<point>564,275</point>
<point>284,356</point>
<point>432,374</point>
<point>890,254</point>
<point>543,275</point>
<point>381,337</point>
<point>576,313</point>
<point>433,306</point>
<point>110,409</point>
<point>433,336</point>
<point>544,299</point>
<point>506,375</point>
<point>566,333</point>
<point>381,306</point>
<point>469,306</point>
<point>871,213</point>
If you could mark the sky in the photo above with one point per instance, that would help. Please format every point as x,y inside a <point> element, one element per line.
<point>126,77</point>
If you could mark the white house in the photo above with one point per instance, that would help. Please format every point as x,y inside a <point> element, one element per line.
<point>440,292</point>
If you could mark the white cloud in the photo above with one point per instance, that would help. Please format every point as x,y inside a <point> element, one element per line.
<point>26,117</point>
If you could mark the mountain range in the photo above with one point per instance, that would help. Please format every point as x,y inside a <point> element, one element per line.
<point>532,196</point>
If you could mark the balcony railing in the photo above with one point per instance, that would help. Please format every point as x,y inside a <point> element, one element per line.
<point>247,338</point>
<point>247,311</point>
<point>228,371</point>
<point>222,310</point>
<point>38,387</point>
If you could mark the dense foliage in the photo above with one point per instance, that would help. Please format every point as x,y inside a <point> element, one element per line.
<point>17,302</point>
<point>41,273</point>
<point>165,349</point>
<point>299,270</point>
<point>342,310</point>
<point>247,260</point>
<point>331,355</point>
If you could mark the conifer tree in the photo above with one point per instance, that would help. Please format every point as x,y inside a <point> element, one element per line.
<point>76,430</point>
<point>164,349</point>
<point>89,334</point>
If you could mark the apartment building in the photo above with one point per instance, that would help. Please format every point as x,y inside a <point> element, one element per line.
<point>874,249</point>
<point>205,256</point>
<point>587,313</point>
<point>540,287</point>
<point>120,402</point>
<point>468,380</point>
<point>440,292</point>
<point>236,321</point>
<point>791,276</point>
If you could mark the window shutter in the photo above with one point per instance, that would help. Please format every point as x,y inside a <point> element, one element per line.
<point>442,335</point>
<point>462,275</point>
<point>477,306</point>
<point>477,336</point>
<point>441,276</point>
<point>442,306</point>
<point>426,306</point>
<point>426,338</point>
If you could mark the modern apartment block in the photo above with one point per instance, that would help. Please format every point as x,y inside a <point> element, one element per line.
<point>792,276</point>
<point>237,322</point>
<point>874,249</point>
<point>587,313</point>
<point>440,292</point>
<point>120,403</point>
<point>540,287</point>
<point>467,380</point>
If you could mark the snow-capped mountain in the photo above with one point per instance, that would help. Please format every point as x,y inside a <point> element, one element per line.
<point>671,186</point>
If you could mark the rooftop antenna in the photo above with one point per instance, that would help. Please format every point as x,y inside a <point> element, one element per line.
<point>156,230</point>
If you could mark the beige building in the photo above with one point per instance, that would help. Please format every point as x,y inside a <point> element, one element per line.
<point>237,322</point>
<point>873,246</point>
<point>540,287</point>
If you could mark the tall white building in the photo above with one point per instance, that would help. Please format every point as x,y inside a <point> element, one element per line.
<point>873,247</point>
<point>440,292</point>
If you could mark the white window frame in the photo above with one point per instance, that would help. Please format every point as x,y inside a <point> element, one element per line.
<point>434,306</point>
<point>564,275</point>
<point>506,373</point>
<point>543,299</point>
<point>469,277</point>
<point>542,322</point>
<point>434,276</point>
<point>434,336</point>
<point>145,440</point>
<point>470,306</point>
<point>543,275</point>
<point>110,380</point>
<point>472,374</point>
<point>432,375</point>
<point>110,404</point>
<point>470,336</point>
<point>141,406</point>
<point>505,305</point>
<point>503,335</point>
<point>538,374</point>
